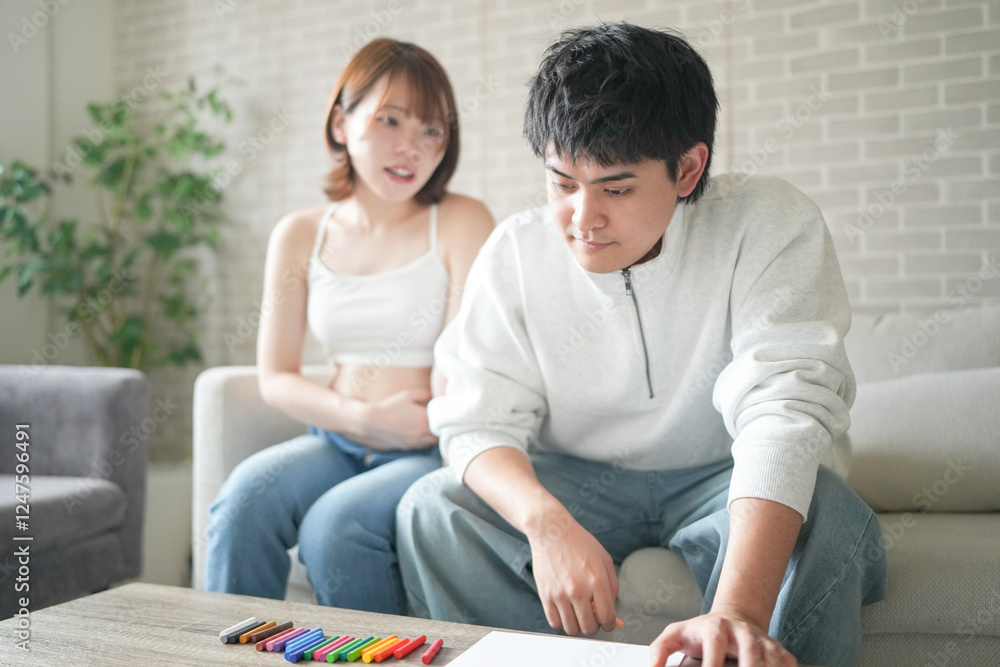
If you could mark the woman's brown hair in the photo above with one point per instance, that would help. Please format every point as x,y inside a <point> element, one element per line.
<point>388,57</point>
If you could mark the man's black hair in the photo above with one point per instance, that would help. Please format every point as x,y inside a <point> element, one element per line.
<point>618,93</point>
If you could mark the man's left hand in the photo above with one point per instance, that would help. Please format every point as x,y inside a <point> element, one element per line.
<point>718,634</point>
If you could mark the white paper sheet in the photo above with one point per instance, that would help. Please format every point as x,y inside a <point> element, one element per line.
<point>503,649</point>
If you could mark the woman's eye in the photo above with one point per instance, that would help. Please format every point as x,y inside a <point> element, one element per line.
<point>388,120</point>
<point>434,132</point>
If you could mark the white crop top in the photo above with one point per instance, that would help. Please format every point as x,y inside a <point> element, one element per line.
<point>384,319</point>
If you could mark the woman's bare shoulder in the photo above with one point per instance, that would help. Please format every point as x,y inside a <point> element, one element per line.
<point>298,227</point>
<point>461,217</point>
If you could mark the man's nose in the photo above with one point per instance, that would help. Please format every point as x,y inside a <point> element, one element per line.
<point>587,214</point>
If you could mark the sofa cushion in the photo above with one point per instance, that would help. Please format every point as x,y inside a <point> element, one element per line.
<point>63,510</point>
<point>944,575</point>
<point>897,344</point>
<point>943,580</point>
<point>928,442</point>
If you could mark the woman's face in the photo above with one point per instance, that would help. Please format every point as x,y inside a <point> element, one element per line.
<point>393,152</point>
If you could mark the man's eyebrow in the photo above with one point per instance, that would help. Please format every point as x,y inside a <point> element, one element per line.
<point>619,176</point>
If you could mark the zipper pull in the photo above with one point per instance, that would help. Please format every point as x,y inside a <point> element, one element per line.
<point>628,281</point>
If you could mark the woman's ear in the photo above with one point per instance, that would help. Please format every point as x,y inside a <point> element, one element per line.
<point>338,123</point>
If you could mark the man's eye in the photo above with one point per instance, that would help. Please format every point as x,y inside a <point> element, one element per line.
<point>618,193</point>
<point>565,187</point>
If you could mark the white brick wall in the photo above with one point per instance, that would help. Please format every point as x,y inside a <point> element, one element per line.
<point>844,98</point>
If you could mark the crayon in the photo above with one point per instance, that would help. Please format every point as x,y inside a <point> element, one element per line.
<point>378,646</point>
<point>227,636</point>
<point>432,651</point>
<point>402,651</point>
<point>278,645</point>
<point>341,653</point>
<point>308,655</point>
<point>355,653</point>
<point>245,637</point>
<point>304,639</point>
<point>265,644</point>
<point>258,637</point>
<point>320,654</point>
<point>299,651</point>
<point>385,651</point>
<point>619,622</point>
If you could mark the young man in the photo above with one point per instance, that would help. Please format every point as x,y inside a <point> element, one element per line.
<point>685,336</point>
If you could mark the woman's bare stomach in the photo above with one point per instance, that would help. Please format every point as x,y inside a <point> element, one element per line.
<point>374,383</point>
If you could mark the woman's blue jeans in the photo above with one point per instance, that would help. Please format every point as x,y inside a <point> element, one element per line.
<point>336,499</point>
<point>461,561</point>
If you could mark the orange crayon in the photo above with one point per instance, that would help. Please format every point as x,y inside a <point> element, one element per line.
<point>245,637</point>
<point>368,653</point>
<point>619,622</point>
<point>384,652</point>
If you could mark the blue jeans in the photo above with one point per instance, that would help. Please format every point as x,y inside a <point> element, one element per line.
<point>336,499</point>
<point>461,561</point>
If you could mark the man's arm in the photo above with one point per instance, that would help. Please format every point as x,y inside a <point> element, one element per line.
<point>784,398</point>
<point>762,534</point>
<point>571,568</point>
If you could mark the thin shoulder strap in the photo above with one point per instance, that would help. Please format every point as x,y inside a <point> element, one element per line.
<point>434,227</point>
<point>321,230</point>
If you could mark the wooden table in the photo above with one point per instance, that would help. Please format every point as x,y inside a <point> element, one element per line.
<point>148,624</point>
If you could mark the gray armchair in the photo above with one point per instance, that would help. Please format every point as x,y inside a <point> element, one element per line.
<point>87,452</point>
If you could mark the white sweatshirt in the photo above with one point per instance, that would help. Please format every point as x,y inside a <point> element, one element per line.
<point>729,343</point>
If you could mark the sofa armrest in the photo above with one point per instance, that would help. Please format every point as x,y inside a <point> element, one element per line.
<point>231,422</point>
<point>84,422</point>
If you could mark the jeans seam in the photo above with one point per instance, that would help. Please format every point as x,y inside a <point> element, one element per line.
<point>840,577</point>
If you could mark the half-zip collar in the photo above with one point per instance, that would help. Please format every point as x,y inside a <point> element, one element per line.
<point>627,273</point>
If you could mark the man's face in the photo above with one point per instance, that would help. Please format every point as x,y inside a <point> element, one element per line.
<point>610,217</point>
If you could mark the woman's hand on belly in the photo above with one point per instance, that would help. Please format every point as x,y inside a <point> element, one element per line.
<point>398,421</point>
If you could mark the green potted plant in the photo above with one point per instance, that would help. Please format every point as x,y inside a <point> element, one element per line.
<point>127,283</point>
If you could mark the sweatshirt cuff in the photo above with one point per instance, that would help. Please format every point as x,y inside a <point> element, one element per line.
<point>463,448</point>
<point>773,471</point>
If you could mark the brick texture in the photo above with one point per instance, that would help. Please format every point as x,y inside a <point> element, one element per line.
<point>859,98</point>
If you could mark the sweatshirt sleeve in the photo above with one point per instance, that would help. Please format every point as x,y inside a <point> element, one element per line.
<point>785,395</point>
<point>494,395</point>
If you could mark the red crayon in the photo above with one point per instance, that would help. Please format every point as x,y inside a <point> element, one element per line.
<point>385,651</point>
<point>432,651</point>
<point>404,650</point>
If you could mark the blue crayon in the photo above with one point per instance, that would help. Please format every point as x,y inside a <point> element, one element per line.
<point>305,638</point>
<point>297,653</point>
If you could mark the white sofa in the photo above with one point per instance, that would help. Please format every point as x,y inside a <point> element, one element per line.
<point>926,437</point>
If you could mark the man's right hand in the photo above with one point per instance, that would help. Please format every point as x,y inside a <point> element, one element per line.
<point>574,574</point>
<point>397,422</point>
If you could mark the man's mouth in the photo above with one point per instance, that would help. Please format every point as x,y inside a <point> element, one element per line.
<point>591,245</point>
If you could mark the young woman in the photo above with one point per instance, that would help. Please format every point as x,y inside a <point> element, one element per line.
<point>374,276</point>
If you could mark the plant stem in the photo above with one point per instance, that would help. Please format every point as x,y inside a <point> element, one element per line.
<point>115,312</point>
<point>88,332</point>
<point>148,296</point>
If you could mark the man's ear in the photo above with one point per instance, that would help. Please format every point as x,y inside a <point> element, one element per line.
<point>690,169</point>
<point>338,123</point>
